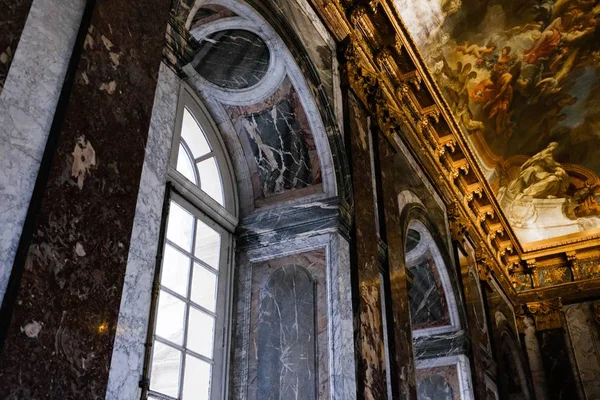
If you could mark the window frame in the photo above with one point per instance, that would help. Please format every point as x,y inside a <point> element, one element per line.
<point>227,213</point>
<point>223,219</point>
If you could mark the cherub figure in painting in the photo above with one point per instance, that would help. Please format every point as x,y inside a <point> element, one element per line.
<point>476,50</point>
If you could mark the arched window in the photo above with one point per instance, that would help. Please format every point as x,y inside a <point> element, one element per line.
<point>442,367</point>
<point>189,330</point>
<point>432,303</point>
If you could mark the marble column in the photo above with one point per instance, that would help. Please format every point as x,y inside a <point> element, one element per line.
<point>549,321</point>
<point>27,105</point>
<point>534,356</point>
<point>61,329</point>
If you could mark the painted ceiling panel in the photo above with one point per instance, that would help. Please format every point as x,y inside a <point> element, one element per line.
<point>523,80</point>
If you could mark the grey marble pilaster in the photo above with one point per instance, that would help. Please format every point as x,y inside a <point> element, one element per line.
<point>536,364</point>
<point>128,352</point>
<point>27,105</point>
<point>584,336</point>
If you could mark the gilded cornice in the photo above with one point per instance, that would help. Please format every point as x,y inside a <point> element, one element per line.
<point>387,72</point>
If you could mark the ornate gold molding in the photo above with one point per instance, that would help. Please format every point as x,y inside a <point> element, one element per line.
<point>547,314</point>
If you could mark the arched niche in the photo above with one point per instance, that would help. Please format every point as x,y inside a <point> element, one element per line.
<point>263,104</point>
<point>439,343</point>
<point>432,300</point>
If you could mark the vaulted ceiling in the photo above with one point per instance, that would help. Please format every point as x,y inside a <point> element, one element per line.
<point>522,80</point>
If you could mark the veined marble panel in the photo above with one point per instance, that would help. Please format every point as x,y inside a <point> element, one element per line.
<point>336,344</point>
<point>286,335</point>
<point>27,105</point>
<point>454,370</point>
<point>585,337</point>
<point>128,352</point>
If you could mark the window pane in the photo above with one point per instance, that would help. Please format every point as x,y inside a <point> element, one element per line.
<point>175,270</point>
<point>196,382</point>
<point>169,323</point>
<point>204,287</point>
<point>166,364</point>
<point>210,179</point>
<point>193,135</point>
<point>201,331</point>
<point>208,244</point>
<point>179,228</point>
<point>185,165</point>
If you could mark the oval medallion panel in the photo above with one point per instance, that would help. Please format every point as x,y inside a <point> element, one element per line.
<point>233,59</point>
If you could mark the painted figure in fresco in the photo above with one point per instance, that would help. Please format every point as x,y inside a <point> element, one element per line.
<point>496,92</point>
<point>546,43</point>
<point>475,50</point>
<point>456,82</point>
<point>451,7</point>
<point>540,177</point>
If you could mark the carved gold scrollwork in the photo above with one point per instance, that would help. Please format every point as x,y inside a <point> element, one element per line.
<point>373,4</point>
<point>547,314</point>
<point>458,223</point>
<point>446,144</point>
<point>361,76</point>
<point>484,262</point>
<point>573,265</point>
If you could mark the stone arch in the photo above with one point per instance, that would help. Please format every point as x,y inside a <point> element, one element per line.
<point>236,116</point>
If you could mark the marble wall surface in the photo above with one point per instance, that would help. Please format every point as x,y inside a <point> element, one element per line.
<point>428,303</point>
<point>583,328</point>
<point>60,337</point>
<point>278,143</point>
<point>513,377</point>
<point>27,105</point>
<point>12,21</point>
<point>444,378</point>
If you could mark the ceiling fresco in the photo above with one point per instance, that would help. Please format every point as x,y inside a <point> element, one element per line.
<point>523,80</point>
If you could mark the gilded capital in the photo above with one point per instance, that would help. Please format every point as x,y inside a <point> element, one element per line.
<point>547,314</point>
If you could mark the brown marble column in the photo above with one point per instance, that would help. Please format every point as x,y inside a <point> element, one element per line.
<point>61,315</point>
<point>392,171</point>
<point>549,322</point>
<point>369,323</point>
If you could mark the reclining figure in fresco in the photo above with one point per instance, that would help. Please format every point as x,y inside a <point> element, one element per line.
<point>541,177</point>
